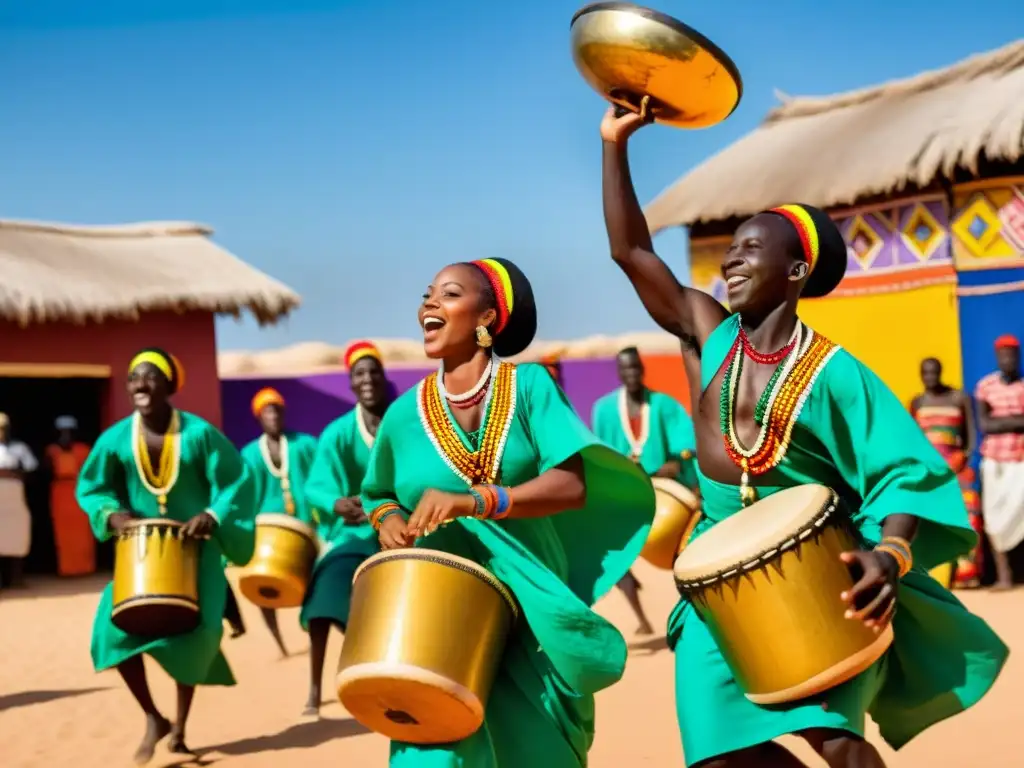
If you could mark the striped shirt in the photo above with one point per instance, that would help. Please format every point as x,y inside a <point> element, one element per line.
<point>1003,400</point>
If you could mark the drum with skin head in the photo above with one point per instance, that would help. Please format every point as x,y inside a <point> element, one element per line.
<point>676,514</point>
<point>426,633</point>
<point>282,563</point>
<point>767,581</point>
<point>156,579</point>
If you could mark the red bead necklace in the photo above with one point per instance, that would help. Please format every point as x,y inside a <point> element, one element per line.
<point>770,358</point>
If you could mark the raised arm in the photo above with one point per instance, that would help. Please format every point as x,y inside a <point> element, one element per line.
<point>689,314</point>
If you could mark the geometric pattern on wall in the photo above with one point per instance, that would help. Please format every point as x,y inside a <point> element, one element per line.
<point>905,235</point>
<point>988,227</point>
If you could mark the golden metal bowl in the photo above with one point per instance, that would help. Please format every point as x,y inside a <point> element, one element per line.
<point>642,60</point>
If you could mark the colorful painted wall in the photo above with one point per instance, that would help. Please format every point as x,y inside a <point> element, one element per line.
<point>988,250</point>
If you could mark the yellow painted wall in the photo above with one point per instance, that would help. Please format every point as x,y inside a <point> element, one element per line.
<point>892,332</point>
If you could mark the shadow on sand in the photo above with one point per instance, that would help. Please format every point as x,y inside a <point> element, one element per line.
<point>649,647</point>
<point>28,698</point>
<point>298,736</point>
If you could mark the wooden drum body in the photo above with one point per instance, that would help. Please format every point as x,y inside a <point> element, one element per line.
<point>677,513</point>
<point>156,573</point>
<point>767,581</point>
<point>282,564</point>
<point>425,637</point>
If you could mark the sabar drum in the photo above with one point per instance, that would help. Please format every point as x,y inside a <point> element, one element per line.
<point>425,636</point>
<point>156,570</point>
<point>677,513</point>
<point>282,563</point>
<point>768,581</point>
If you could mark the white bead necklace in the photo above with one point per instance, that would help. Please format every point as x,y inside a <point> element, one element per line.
<point>485,377</point>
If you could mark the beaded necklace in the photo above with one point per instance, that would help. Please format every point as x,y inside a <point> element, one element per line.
<point>281,473</point>
<point>636,443</point>
<point>474,394</point>
<point>484,464</point>
<point>364,431</point>
<point>778,407</point>
<point>159,482</point>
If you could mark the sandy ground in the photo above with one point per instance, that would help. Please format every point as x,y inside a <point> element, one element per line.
<point>56,713</point>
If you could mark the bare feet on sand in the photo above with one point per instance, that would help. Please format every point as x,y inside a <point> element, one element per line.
<point>176,744</point>
<point>157,727</point>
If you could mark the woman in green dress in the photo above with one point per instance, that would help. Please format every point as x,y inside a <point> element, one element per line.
<point>806,413</point>
<point>496,450</point>
<point>164,463</point>
<point>332,489</point>
<point>655,431</point>
<point>279,462</point>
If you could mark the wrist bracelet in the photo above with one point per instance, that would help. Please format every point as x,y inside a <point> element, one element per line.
<point>379,514</point>
<point>504,503</point>
<point>903,563</point>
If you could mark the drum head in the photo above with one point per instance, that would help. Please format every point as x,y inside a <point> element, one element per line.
<point>156,522</point>
<point>762,526</point>
<point>286,521</point>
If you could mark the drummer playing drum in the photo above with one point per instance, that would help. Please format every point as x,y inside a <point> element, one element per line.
<point>655,431</point>
<point>164,463</point>
<point>778,405</point>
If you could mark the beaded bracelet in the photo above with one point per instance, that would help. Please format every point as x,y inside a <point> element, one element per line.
<point>493,502</point>
<point>899,550</point>
<point>383,512</point>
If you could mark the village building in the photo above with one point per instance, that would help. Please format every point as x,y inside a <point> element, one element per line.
<point>926,180</point>
<point>76,302</point>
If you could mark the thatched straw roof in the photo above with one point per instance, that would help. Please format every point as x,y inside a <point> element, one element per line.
<point>63,272</point>
<point>319,357</point>
<point>832,151</point>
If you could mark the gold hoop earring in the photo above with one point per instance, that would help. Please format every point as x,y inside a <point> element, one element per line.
<point>483,337</point>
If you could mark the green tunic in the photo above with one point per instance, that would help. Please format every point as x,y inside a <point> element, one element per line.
<point>541,710</point>
<point>211,477</point>
<point>342,455</point>
<point>669,432</point>
<point>268,493</point>
<point>854,436</point>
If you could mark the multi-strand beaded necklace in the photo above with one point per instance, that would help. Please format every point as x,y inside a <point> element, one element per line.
<point>279,472</point>
<point>636,442</point>
<point>160,481</point>
<point>484,464</point>
<point>777,410</point>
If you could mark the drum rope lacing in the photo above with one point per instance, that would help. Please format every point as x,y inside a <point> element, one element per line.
<point>479,572</point>
<point>805,532</point>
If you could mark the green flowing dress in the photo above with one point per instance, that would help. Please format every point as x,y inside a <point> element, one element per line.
<point>541,709</point>
<point>669,433</point>
<point>853,436</point>
<point>342,455</point>
<point>211,477</point>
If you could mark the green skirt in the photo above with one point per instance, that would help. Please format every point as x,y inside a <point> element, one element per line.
<point>329,594</point>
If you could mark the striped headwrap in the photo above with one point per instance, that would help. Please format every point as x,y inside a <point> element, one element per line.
<point>164,362</point>
<point>516,325</point>
<point>821,246</point>
<point>358,350</point>
<point>263,398</point>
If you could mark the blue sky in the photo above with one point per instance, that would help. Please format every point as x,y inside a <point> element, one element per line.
<point>352,148</point>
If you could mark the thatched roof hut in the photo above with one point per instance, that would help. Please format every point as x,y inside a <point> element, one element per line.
<point>51,272</point>
<point>76,302</point>
<point>836,150</point>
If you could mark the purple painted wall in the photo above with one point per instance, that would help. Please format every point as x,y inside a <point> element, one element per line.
<point>315,401</point>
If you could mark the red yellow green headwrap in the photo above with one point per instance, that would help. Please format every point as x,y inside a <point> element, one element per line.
<point>501,284</point>
<point>516,324</point>
<point>263,398</point>
<point>821,245</point>
<point>164,362</point>
<point>358,350</point>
